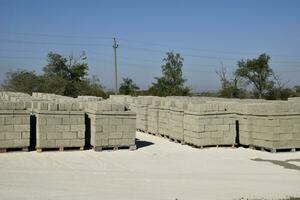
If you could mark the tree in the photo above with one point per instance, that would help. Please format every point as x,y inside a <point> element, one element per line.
<point>297,90</point>
<point>258,73</point>
<point>172,82</point>
<point>22,81</point>
<point>208,94</point>
<point>91,86</point>
<point>68,68</point>
<point>279,91</point>
<point>229,87</point>
<point>64,75</point>
<point>128,87</point>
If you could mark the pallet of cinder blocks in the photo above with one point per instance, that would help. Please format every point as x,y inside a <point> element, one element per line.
<point>141,109</point>
<point>175,125</point>
<point>272,125</point>
<point>89,98</point>
<point>13,96</point>
<point>84,100</point>
<point>297,99</point>
<point>163,117</point>
<point>59,125</point>
<point>14,126</point>
<point>51,97</point>
<point>127,100</point>
<point>153,119</point>
<point>112,126</point>
<point>209,124</point>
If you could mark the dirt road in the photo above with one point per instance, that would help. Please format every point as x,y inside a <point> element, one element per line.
<point>159,169</point>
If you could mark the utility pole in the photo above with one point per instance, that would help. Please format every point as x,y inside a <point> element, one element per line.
<point>115,46</point>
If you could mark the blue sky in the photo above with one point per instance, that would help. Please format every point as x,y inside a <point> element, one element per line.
<point>206,33</point>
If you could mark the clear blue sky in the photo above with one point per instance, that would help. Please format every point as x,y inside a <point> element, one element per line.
<point>206,33</point>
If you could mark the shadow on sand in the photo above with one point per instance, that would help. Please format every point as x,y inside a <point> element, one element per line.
<point>284,163</point>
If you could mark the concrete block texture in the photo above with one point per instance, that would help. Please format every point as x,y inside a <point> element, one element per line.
<point>56,129</point>
<point>200,121</point>
<point>270,131</point>
<point>114,127</point>
<point>108,127</point>
<point>14,129</point>
<point>176,119</point>
<point>211,124</point>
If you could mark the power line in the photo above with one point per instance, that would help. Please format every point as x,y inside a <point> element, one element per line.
<point>56,35</point>
<point>204,50</point>
<point>130,47</point>
<point>139,41</point>
<point>53,43</point>
<point>126,61</point>
<point>21,57</point>
<point>200,56</point>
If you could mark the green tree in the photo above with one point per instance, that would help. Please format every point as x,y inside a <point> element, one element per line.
<point>128,87</point>
<point>64,75</point>
<point>297,90</point>
<point>22,81</point>
<point>279,90</point>
<point>258,73</point>
<point>172,81</point>
<point>71,68</point>
<point>229,87</point>
<point>91,86</point>
<point>208,94</point>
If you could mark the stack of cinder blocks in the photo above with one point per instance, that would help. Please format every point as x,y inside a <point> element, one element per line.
<point>297,99</point>
<point>176,115</point>
<point>153,116</point>
<point>50,97</point>
<point>127,100</point>
<point>141,109</point>
<point>272,125</point>
<point>207,124</point>
<point>89,98</point>
<point>13,96</point>
<point>14,126</point>
<point>59,125</point>
<point>112,126</point>
<point>163,117</point>
<point>85,100</point>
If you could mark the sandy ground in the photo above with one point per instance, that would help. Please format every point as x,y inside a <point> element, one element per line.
<point>159,169</point>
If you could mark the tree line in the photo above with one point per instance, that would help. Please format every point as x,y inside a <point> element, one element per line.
<point>252,78</point>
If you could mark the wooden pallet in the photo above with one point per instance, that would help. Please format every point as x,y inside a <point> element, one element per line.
<point>139,130</point>
<point>155,134</point>
<point>59,149</point>
<point>176,140</point>
<point>5,150</point>
<point>272,150</point>
<point>161,135</point>
<point>114,148</point>
<point>164,136</point>
<point>214,146</point>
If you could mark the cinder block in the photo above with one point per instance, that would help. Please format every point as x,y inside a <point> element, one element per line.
<point>9,120</point>
<point>2,135</point>
<point>63,143</point>
<point>81,134</point>
<point>77,143</point>
<point>69,135</point>
<point>20,128</point>
<point>53,135</point>
<point>26,135</point>
<point>13,135</point>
